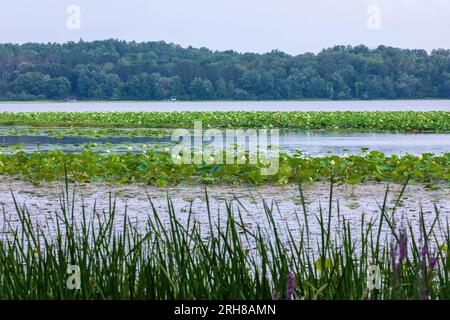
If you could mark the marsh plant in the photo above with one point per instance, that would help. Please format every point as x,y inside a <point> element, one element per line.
<point>157,167</point>
<point>224,259</point>
<point>234,146</point>
<point>396,121</point>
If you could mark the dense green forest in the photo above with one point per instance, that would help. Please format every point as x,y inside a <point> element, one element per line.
<point>115,70</point>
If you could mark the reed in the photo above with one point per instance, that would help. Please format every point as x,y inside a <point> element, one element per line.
<point>168,259</point>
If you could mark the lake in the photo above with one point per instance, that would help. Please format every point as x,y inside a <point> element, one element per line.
<point>319,143</point>
<point>165,106</point>
<point>313,143</point>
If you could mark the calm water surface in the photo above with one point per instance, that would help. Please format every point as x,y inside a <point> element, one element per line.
<point>314,143</point>
<point>389,105</point>
<point>319,143</point>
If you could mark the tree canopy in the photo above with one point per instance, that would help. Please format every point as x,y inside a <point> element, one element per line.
<point>115,70</point>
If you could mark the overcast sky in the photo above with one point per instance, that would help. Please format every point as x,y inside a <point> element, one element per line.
<point>293,26</point>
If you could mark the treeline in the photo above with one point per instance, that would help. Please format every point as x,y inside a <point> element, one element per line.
<point>115,70</point>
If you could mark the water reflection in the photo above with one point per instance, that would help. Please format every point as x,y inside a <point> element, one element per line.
<point>165,106</point>
<point>314,143</point>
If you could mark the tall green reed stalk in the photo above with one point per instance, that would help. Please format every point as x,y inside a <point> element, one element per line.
<point>225,259</point>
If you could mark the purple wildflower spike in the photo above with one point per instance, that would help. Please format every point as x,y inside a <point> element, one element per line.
<point>425,252</point>
<point>290,287</point>
<point>432,262</point>
<point>402,245</point>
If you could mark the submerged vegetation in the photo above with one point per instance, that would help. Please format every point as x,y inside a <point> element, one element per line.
<point>168,259</point>
<point>401,121</point>
<point>157,167</point>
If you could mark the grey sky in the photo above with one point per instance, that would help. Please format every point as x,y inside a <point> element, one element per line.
<point>293,26</point>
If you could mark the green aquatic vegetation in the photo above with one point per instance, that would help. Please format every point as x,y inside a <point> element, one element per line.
<point>170,259</point>
<point>402,121</point>
<point>102,148</point>
<point>154,166</point>
<point>83,132</point>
